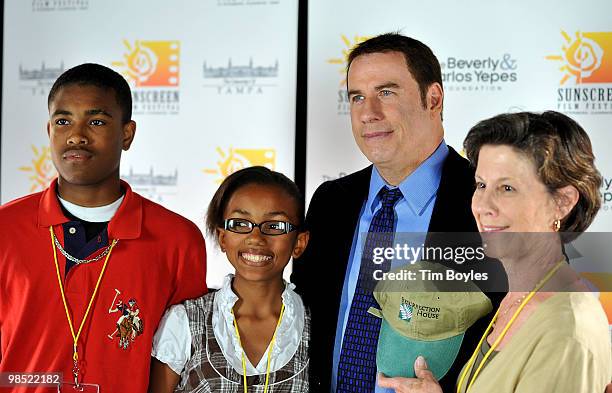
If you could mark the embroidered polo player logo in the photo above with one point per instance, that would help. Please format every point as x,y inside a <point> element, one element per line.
<point>130,324</point>
<point>405,312</point>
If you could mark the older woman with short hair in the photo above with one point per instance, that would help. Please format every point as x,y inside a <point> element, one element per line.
<point>536,188</point>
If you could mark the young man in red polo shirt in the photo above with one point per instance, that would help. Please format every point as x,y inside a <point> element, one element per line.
<point>87,267</point>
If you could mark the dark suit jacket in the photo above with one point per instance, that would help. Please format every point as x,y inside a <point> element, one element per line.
<point>332,218</point>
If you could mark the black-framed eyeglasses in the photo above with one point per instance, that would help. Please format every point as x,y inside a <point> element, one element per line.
<point>272,228</point>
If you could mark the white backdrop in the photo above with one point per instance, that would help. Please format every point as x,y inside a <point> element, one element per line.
<point>214,85</point>
<point>214,82</point>
<point>511,38</point>
<point>496,57</point>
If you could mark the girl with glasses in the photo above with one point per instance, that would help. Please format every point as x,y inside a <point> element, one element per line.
<point>253,332</point>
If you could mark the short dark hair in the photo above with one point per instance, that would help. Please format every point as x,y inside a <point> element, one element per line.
<point>422,64</point>
<point>561,151</point>
<point>252,175</point>
<point>99,76</point>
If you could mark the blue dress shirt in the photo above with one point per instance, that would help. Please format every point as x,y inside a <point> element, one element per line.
<point>413,215</point>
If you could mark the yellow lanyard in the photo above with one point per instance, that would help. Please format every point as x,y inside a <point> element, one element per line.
<point>244,373</point>
<point>75,337</point>
<point>470,362</point>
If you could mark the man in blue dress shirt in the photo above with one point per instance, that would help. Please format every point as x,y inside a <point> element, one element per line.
<point>396,97</point>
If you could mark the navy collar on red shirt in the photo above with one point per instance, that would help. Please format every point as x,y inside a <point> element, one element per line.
<point>125,224</point>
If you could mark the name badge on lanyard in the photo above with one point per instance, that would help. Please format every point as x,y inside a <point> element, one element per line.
<point>69,387</point>
<point>77,386</point>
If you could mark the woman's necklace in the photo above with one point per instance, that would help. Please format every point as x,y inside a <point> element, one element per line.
<point>517,302</point>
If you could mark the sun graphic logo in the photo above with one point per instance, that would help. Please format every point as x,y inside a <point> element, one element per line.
<point>236,159</point>
<point>584,57</point>
<point>41,171</point>
<point>343,60</point>
<point>405,312</point>
<point>151,63</point>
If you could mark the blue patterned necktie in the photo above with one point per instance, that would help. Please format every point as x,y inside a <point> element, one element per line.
<point>357,365</point>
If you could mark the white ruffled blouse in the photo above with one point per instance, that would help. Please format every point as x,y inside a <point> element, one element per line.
<point>172,341</point>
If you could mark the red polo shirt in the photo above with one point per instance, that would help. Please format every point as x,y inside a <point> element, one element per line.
<point>160,260</point>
